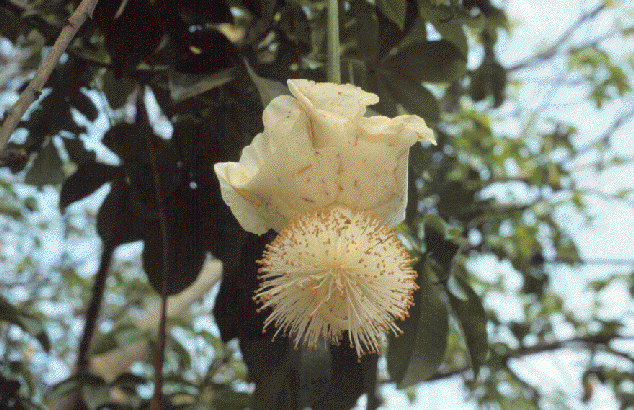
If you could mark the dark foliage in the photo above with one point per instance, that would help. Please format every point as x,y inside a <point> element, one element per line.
<point>210,86</point>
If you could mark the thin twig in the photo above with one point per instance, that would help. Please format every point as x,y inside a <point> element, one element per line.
<point>550,51</point>
<point>590,341</point>
<point>603,163</point>
<point>93,310</point>
<point>334,59</point>
<point>617,123</point>
<point>120,9</point>
<point>34,89</point>
<point>606,196</point>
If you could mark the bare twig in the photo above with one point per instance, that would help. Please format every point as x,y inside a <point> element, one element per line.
<point>606,196</point>
<point>93,310</point>
<point>120,9</point>
<point>603,163</point>
<point>590,342</point>
<point>34,89</point>
<point>550,51</point>
<point>617,123</point>
<point>595,261</point>
<point>111,364</point>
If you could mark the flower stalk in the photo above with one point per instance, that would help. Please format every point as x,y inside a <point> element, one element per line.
<point>333,65</point>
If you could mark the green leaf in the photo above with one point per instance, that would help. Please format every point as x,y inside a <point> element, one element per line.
<point>125,140</point>
<point>87,179</point>
<point>438,246</point>
<point>116,222</point>
<point>468,309</point>
<point>72,384</point>
<point>416,34</point>
<point>95,395</point>
<point>444,21</point>
<point>121,335</point>
<point>415,355</point>
<point>46,169</point>
<point>185,247</point>
<point>488,79</point>
<point>416,99</point>
<point>294,23</point>
<point>200,12</point>
<point>84,105</point>
<point>273,367</point>
<point>268,89</point>
<point>431,61</point>
<point>128,379</point>
<point>31,326</point>
<point>226,398</point>
<point>386,105</point>
<point>395,10</point>
<point>351,377</point>
<point>117,91</point>
<point>141,21</point>
<point>11,27</point>
<point>366,29</point>
<point>77,151</point>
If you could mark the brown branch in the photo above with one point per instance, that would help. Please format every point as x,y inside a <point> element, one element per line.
<point>550,51</point>
<point>111,364</point>
<point>590,342</point>
<point>34,89</point>
<point>603,163</point>
<point>605,196</point>
<point>93,310</point>
<point>596,261</point>
<point>616,124</point>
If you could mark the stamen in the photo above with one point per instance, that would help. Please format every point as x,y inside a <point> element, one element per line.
<point>332,271</point>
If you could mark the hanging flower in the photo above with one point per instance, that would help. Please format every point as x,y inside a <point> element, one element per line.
<point>331,182</point>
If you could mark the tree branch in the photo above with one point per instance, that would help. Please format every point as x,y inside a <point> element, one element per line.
<point>604,163</point>
<point>590,341</point>
<point>111,364</point>
<point>93,310</point>
<point>615,125</point>
<point>34,89</point>
<point>550,51</point>
<point>595,261</point>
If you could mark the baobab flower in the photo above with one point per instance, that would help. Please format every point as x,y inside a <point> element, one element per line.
<point>333,184</point>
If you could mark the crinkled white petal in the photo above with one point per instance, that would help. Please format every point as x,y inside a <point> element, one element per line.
<point>234,177</point>
<point>345,100</point>
<point>318,150</point>
<point>334,110</point>
<point>404,130</point>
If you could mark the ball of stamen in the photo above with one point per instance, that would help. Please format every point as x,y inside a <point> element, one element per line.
<point>333,271</point>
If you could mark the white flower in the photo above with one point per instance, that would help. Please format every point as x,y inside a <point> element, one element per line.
<point>336,270</point>
<point>318,149</point>
<point>331,182</point>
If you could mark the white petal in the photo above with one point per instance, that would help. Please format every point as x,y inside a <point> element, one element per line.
<point>316,151</point>
<point>341,99</point>
<point>291,187</point>
<point>404,130</point>
<point>230,175</point>
<point>286,124</point>
<point>334,110</point>
<point>374,177</point>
